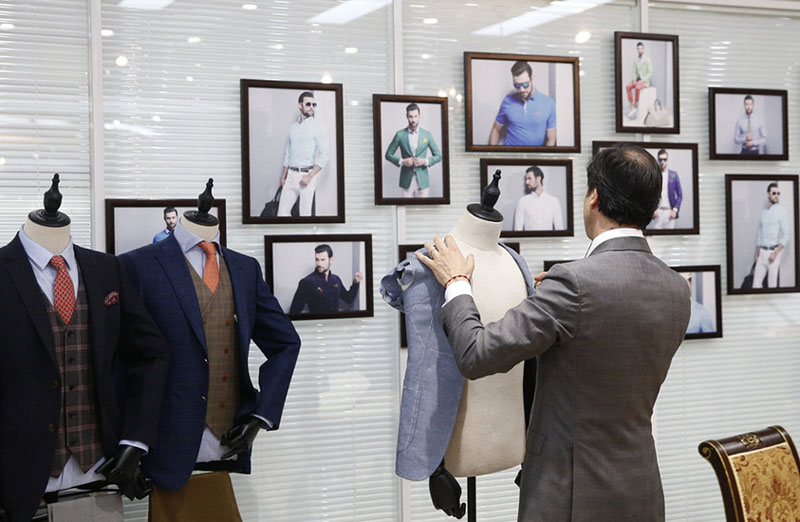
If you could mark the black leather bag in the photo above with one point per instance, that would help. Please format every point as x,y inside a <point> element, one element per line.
<point>747,282</point>
<point>271,207</point>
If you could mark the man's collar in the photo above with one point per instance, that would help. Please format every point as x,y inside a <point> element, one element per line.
<point>614,233</point>
<point>413,131</point>
<point>41,256</point>
<point>301,119</point>
<point>187,240</point>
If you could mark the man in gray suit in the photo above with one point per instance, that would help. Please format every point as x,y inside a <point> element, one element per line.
<point>604,329</point>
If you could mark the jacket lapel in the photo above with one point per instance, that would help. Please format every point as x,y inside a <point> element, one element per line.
<point>407,142</point>
<point>16,262</point>
<point>173,262</point>
<point>92,284</point>
<point>420,142</point>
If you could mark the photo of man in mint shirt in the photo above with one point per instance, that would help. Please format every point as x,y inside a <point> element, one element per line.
<point>529,116</point>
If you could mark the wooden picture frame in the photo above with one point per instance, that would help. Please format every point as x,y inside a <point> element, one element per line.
<point>703,323</point>
<point>288,259</point>
<point>270,114</point>
<point>394,183</point>
<point>490,94</point>
<point>147,219</point>
<point>728,121</point>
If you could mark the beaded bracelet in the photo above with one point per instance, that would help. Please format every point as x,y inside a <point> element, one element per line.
<point>458,276</point>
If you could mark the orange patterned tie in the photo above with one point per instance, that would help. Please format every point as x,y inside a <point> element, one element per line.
<point>211,268</point>
<point>63,289</point>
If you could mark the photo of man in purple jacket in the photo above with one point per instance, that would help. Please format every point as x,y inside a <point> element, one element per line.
<point>671,196</point>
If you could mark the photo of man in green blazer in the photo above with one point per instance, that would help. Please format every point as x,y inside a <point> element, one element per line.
<point>414,143</point>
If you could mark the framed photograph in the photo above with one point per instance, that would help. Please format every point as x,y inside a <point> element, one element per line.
<point>678,213</point>
<point>403,251</point>
<point>320,276</point>
<point>535,195</point>
<point>522,103</point>
<point>292,152</point>
<point>748,124</point>
<point>412,159</point>
<point>134,223</point>
<point>762,216</point>
<point>706,318</point>
<point>646,79</point>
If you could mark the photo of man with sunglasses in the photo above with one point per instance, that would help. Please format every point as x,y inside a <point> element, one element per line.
<point>306,155</point>
<point>528,116</point>
<point>771,239</point>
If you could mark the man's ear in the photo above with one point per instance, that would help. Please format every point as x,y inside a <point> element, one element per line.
<point>594,199</point>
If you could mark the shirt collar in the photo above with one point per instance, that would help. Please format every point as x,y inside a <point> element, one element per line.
<point>413,131</point>
<point>613,234</point>
<point>40,256</point>
<point>301,120</point>
<point>187,240</point>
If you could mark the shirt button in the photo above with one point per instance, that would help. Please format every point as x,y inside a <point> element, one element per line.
<point>55,385</point>
<point>51,427</point>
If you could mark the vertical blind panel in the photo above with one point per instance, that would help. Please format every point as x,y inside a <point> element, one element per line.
<point>433,62</point>
<point>748,379</point>
<point>44,111</point>
<point>172,121</point>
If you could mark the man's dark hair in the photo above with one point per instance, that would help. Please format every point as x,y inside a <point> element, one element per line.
<point>537,172</point>
<point>773,184</point>
<point>324,248</point>
<point>628,183</point>
<point>664,152</point>
<point>639,43</point>
<point>748,97</point>
<point>412,107</point>
<point>521,67</point>
<point>167,210</point>
<point>305,94</point>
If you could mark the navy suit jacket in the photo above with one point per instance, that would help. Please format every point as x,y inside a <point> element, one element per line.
<point>161,275</point>
<point>124,341</point>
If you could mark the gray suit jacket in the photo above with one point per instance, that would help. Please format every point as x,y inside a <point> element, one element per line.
<point>604,329</point>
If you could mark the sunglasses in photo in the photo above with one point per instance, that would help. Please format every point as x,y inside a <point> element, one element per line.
<point>310,104</point>
<point>523,85</point>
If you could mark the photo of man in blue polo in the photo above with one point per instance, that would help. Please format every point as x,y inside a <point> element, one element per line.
<point>528,116</point>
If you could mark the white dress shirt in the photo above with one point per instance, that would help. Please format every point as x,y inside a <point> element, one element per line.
<point>210,447</point>
<point>39,257</point>
<point>538,212</point>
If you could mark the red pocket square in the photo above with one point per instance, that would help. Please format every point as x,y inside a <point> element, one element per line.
<point>112,298</point>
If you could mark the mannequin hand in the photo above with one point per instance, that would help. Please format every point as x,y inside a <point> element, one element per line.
<point>138,487</point>
<point>122,466</point>
<point>3,516</point>
<point>240,438</point>
<point>446,260</point>
<point>446,492</point>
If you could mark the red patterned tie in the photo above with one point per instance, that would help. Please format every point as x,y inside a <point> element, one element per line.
<point>63,289</point>
<point>211,268</point>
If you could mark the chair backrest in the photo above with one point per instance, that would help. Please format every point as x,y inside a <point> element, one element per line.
<point>758,473</point>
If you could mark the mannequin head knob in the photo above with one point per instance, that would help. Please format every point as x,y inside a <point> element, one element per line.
<point>204,203</point>
<point>485,210</point>
<point>49,216</point>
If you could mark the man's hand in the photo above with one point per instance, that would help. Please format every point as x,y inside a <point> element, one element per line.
<point>407,162</point>
<point>673,214</point>
<point>240,438</point>
<point>655,214</point>
<point>358,277</point>
<point>283,180</point>
<point>419,162</point>
<point>538,278</point>
<point>774,255</point>
<point>306,179</point>
<point>446,260</point>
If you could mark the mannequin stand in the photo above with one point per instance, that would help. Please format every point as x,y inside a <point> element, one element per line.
<point>472,511</point>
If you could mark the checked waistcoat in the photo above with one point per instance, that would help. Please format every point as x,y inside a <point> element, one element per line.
<point>78,426</point>
<point>218,312</point>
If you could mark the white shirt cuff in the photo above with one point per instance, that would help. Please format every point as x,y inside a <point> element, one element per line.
<point>136,444</point>
<point>266,421</point>
<point>455,289</point>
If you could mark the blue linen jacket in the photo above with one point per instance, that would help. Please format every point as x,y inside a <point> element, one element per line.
<point>432,384</point>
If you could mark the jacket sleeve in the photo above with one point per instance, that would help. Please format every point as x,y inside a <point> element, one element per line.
<point>145,359</point>
<point>548,317</point>
<point>277,339</point>
<point>390,151</point>
<point>436,154</point>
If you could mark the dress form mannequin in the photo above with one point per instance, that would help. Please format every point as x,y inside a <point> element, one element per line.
<point>49,227</point>
<point>199,222</point>
<point>489,434</point>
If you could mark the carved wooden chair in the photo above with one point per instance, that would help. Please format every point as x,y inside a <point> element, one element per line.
<point>758,473</point>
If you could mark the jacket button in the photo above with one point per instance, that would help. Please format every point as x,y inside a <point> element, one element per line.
<point>51,427</point>
<point>56,385</point>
